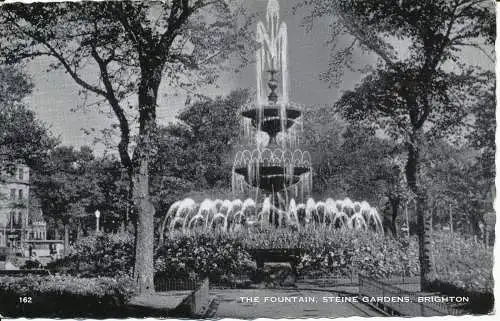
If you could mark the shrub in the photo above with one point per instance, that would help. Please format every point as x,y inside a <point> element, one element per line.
<point>463,263</point>
<point>460,262</point>
<point>323,253</point>
<point>480,302</point>
<point>326,252</point>
<point>203,255</point>
<point>64,296</point>
<point>104,255</point>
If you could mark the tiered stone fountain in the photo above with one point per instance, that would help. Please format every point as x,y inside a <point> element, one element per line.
<point>276,167</point>
<point>274,173</point>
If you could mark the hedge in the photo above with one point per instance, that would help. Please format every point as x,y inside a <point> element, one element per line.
<point>64,296</point>
<point>225,256</point>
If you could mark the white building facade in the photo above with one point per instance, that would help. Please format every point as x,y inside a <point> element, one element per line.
<point>15,223</point>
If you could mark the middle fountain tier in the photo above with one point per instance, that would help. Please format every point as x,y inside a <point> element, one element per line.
<point>272,170</point>
<point>275,163</point>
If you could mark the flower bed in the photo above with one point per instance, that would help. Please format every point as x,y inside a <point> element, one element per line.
<point>226,257</point>
<point>336,253</point>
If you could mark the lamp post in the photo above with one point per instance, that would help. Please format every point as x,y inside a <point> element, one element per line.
<point>97,215</point>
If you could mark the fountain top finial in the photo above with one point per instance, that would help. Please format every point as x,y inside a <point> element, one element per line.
<point>272,56</point>
<point>273,9</point>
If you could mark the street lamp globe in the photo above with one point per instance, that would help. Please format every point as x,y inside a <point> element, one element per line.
<point>97,215</point>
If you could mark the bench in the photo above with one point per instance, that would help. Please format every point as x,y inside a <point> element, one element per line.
<point>285,255</point>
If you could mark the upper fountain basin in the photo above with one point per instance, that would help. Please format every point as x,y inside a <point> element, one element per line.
<point>272,119</point>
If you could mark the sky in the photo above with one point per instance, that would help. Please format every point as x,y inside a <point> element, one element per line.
<point>56,97</point>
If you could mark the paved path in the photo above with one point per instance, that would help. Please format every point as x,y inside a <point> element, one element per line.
<point>231,304</point>
<point>160,300</point>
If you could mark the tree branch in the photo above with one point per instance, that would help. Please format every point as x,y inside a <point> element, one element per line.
<point>117,109</point>
<point>187,60</point>
<point>358,34</point>
<point>54,53</point>
<point>477,46</point>
<point>174,24</point>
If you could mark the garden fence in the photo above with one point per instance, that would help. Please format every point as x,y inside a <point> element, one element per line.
<point>163,284</point>
<point>235,282</point>
<point>404,282</point>
<point>244,281</point>
<point>372,288</point>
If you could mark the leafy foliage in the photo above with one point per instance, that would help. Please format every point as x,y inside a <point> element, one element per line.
<point>66,186</point>
<point>111,194</point>
<point>325,252</point>
<point>414,97</point>
<point>23,138</point>
<point>132,45</point>
<point>353,161</point>
<point>202,140</point>
<point>463,263</point>
<point>203,255</point>
<point>135,46</point>
<point>225,257</point>
<point>14,86</point>
<point>107,255</point>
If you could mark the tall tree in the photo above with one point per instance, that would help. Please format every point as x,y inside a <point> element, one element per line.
<point>133,46</point>
<point>351,161</point>
<point>202,138</point>
<point>14,86</point>
<point>65,186</point>
<point>23,138</point>
<point>113,202</point>
<point>416,95</point>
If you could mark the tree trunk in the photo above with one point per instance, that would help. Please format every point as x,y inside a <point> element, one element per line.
<point>145,211</point>
<point>66,238</point>
<point>78,229</point>
<point>423,216</point>
<point>143,268</point>
<point>394,205</point>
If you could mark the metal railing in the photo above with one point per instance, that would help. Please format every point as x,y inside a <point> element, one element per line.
<point>163,284</point>
<point>325,282</point>
<point>21,273</point>
<point>235,282</point>
<point>404,282</point>
<point>405,303</point>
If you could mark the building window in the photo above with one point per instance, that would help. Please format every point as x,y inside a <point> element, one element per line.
<point>20,194</point>
<point>12,194</point>
<point>21,174</point>
<point>12,219</point>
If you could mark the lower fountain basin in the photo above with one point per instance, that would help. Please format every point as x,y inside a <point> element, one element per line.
<point>272,178</point>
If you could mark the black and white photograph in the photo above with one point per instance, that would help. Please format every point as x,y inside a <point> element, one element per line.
<point>245,159</point>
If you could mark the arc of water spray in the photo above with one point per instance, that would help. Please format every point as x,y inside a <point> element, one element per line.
<point>342,213</point>
<point>173,208</point>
